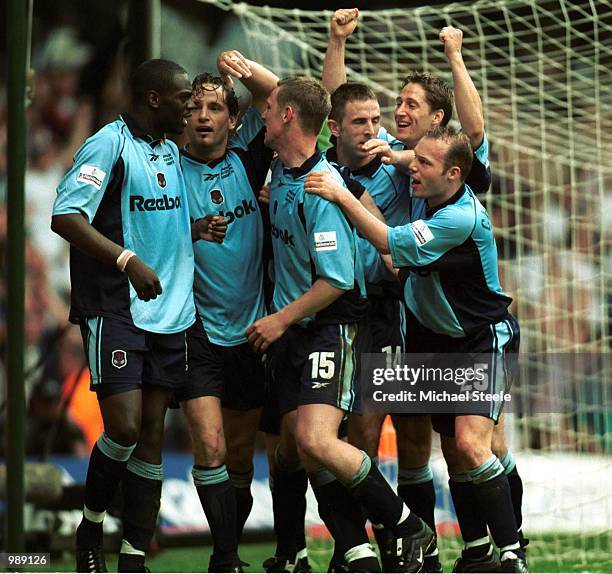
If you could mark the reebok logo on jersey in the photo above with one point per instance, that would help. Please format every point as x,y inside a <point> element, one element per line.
<point>421,232</point>
<point>239,211</point>
<point>139,203</point>
<point>283,235</point>
<point>325,241</point>
<point>92,175</point>
<point>317,385</point>
<point>225,172</point>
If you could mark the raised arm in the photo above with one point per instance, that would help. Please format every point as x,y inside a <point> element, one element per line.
<point>467,99</point>
<point>258,80</point>
<point>343,23</point>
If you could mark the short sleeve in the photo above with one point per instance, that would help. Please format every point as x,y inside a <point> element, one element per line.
<point>82,188</point>
<point>479,178</point>
<point>331,242</point>
<point>422,242</point>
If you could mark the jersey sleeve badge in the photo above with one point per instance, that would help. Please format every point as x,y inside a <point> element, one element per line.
<point>325,241</point>
<point>421,232</point>
<point>92,175</point>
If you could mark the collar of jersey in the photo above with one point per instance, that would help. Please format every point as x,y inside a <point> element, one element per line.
<point>452,199</point>
<point>368,170</point>
<point>138,132</point>
<point>305,168</point>
<point>212,163</point>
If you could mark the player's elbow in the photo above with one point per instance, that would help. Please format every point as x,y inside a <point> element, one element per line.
<point>476,135</point>
<point>56,224</point>
<point>62,224</point>
<point>382,246</point>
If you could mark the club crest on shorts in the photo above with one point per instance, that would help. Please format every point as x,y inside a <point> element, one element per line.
<point>119,358</point>
<point>161,179</point>
<point>216,196</point>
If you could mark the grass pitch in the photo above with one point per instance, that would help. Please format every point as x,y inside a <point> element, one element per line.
<point>548,553</point>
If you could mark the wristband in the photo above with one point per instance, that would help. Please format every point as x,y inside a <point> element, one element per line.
<point>123,259</point>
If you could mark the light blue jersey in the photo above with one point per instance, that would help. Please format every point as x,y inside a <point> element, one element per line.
<point>448,264</point>
<point>229,276</point>
<point>389,189</point>
<point>131,189</point>
<point>312,239</point>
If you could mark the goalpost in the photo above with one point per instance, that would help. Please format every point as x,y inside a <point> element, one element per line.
<point>544,72</point>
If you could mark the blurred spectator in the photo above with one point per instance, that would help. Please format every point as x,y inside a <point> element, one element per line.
<point>60,119</point>
<point>65,362</point>
<point>49,430</point>
<point>57,87</point>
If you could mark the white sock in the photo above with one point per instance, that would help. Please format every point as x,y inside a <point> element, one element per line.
<point>92,516</point>
<point>127,548</point>
<point>362,551</point>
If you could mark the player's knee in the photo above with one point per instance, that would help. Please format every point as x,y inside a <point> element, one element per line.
<point>152,431</point>
<point>472,452</point>
<point>242,457</point>
<point>413,453</point>
<point>307,442</point>
<point>453,459</point>
<point>499,449</point>
<point>364,432</point>
<point>239,456</point>
<point>126,433</point>
<point>367,442</point>
<point>310,442</point>
<point>498,445</point>
<point>209,447</point>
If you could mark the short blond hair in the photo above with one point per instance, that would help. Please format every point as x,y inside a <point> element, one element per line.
<point>460,149</point>
<point>308,97</point>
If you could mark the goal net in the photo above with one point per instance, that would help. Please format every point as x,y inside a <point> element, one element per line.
<point>544,72</point>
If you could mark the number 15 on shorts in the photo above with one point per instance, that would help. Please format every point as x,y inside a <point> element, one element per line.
<point>323,366</point>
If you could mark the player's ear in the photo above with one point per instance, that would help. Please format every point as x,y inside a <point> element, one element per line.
<point>437,117</point>
<point>454,173</point>
<point>233,122</point>
<point>334,128</point>
<point>153,99</point>
<point>288,114</point>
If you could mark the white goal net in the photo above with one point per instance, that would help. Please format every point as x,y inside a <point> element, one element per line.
<point>544,72</point>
